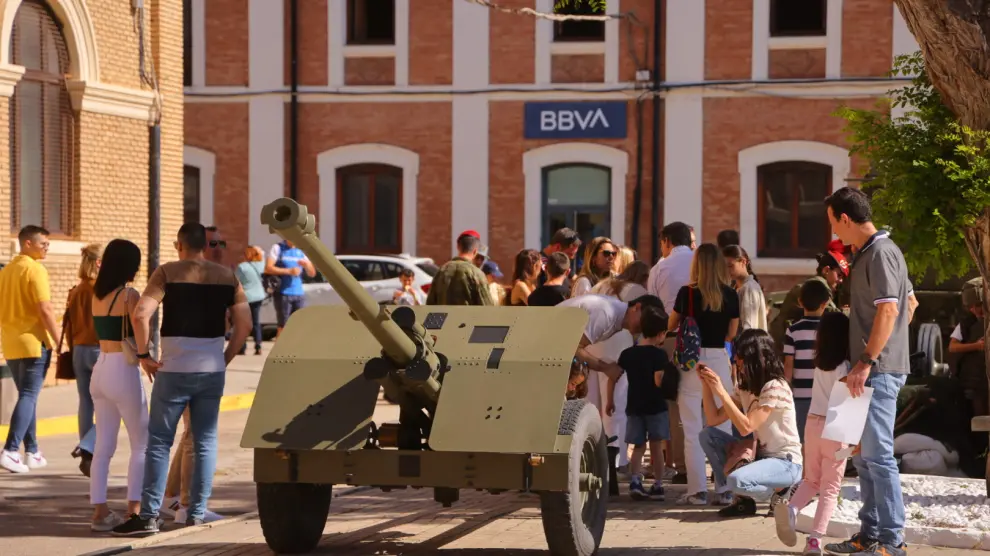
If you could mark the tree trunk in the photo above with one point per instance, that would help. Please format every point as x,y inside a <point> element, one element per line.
<point>953,36</point>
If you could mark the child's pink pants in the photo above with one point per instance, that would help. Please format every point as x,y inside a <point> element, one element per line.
<point>822,474</point>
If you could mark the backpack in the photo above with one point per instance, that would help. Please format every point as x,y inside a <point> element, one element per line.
<point>687,350</point>
<point>270,282</point>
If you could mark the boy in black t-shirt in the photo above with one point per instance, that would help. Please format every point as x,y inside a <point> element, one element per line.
<point>646,409</point>
<point>557,267</point>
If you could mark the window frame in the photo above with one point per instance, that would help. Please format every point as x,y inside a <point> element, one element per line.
<point>774,26</point>
<point>795,251</point>
<point>373,169</point>
<point>187,43</point>
<point>350,24</point>
<point>186,168</point>
<point>68,129</point>
<point>583,9</point>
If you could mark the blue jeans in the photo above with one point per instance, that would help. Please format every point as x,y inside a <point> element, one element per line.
<point>83,359</point>
<point>758,480</point>
<point>882,515</point>
<point>170,394</point>
<point>285,305</point>
<point>29,376</point>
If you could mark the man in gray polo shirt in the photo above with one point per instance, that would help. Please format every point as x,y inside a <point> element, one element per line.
<point>881,308</point>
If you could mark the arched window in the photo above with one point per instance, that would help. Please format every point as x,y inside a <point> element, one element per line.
<point>369,209</point>
<point>191,194</point>
<point>577,196</point>
<point>792,219</point>
<point>41,123</point>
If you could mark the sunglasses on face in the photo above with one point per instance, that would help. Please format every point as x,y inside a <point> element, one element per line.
<point>222,244</point>
<point>610,254</point>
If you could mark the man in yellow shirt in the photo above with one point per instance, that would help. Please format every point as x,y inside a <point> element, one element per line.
<point>27,333</point>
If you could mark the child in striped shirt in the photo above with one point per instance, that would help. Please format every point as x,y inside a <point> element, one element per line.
<point>799,348</point>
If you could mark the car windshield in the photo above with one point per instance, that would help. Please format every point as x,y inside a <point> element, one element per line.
<point>429,268</point>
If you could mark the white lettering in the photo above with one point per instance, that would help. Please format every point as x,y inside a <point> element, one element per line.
<point>548,121</point>
<point>566,120</point>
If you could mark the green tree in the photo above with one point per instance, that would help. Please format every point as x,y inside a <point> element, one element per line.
<point>930,175</point>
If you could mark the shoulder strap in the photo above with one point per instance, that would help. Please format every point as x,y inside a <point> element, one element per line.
<point>114,300</point>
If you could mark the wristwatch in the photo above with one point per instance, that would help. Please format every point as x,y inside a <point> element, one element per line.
<point>144,356</point>
<point>865,358</point>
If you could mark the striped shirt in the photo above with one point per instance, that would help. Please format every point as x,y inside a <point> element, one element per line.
<point>799,343</point>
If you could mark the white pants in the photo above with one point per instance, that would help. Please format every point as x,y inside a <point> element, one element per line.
<point>692,414</point>
<point>118,393</point>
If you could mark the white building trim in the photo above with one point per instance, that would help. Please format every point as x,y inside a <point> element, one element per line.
<point>470,120</point>
<point>266,114</point>
<point>207,164</point>
<point>763,43</point>
<point>338,49</point>
<point>535,160</point>
<point>77,27</point>
<point>198,17</point>
<point>546,47</point>
<point>781,151</point>
<point>327,164</point>
<point>683,142</point>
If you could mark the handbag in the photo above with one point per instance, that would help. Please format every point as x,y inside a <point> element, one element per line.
<point>687,349</point>
<point>741,452</point>
<point>63,362</point>
<point>127,343</point>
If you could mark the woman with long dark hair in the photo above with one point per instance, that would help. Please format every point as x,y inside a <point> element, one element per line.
<point>752,303</point>
<point>599,256</point>
<point>117,389</point>
<point>525,274</point>
<point>762,404</point>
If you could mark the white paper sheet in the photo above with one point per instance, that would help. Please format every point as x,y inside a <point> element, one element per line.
<point>846,415</point>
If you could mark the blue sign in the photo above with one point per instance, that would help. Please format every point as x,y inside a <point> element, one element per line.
<point>575,120</point>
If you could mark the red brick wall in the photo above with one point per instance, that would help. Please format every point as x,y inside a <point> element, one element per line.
<point>733,124</point>
<point>507,184</point>
<point>222,129</point>
<point>867,37</point>
<point>728,39</point>
<point>641,39</point>
<point>422,127</point>
<point>311,40</point>
<point>431,42</point>
<point>227,42</point>
<point>512,42</point>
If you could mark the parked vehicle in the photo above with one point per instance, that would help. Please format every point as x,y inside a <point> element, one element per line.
<point>379,274</point>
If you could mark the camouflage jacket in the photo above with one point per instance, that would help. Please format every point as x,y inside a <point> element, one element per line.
<point>459,282</point>
<point>791,311</point>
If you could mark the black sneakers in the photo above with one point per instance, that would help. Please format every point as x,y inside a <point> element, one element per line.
<point>740,507</point>
<point>857,544</point>
<point>136,526</point>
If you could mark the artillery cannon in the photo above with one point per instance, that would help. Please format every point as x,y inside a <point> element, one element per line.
<point>481,396</point>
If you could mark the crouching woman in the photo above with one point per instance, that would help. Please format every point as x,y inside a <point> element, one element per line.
<point>769,413</point>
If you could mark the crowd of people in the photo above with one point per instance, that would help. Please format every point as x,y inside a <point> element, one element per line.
<point>108,325</point>
<point>682,359</point>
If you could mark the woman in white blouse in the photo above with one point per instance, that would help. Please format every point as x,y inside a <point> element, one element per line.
<point>752,303</point>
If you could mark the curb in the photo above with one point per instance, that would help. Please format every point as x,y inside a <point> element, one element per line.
<point>69,424</point>
<point>189,530</point>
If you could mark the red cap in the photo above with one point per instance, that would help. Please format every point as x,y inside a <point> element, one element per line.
<point>471,233</point>
<point>838,252</point>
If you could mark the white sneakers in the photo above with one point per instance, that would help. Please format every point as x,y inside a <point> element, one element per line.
<point>13,462</point>
<point>785,517</point>
<point>180,514</point>
<point>106,524</point>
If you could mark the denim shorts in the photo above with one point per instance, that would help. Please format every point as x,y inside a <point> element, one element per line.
<point>641,428</point>
<point>285,305</point>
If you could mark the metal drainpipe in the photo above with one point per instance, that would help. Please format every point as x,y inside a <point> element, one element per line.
<point>655,193</point>
<point>154,216</point>
<point>293,99</point>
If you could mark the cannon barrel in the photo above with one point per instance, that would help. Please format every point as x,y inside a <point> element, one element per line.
<point>404,347</point>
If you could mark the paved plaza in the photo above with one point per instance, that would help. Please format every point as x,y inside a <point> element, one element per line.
<point>47,512</point>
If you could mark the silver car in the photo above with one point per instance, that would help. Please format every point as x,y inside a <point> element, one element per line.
<point>379,274</point>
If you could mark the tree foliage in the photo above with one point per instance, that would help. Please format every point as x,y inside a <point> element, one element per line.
<point>929,175</point>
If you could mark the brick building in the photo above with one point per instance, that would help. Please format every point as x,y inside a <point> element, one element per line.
<point>406,122</point>
<point>75,116</point>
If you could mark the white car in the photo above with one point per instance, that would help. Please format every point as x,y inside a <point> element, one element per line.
<point>379,274</point>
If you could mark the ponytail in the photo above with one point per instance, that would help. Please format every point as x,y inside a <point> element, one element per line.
<point>737,252</point>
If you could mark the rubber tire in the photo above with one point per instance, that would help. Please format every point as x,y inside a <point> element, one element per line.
<point>293,515</point>
<point>565,530</point>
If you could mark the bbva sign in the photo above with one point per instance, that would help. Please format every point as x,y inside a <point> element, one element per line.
<point>575,120</point>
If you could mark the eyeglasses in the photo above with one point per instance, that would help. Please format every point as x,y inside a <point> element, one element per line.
<point>610,254</point>
<point>222,244</point>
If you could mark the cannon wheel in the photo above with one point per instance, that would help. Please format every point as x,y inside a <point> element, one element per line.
<point>293,515</point>
<point>930,343</point>
<point>574,521</point>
